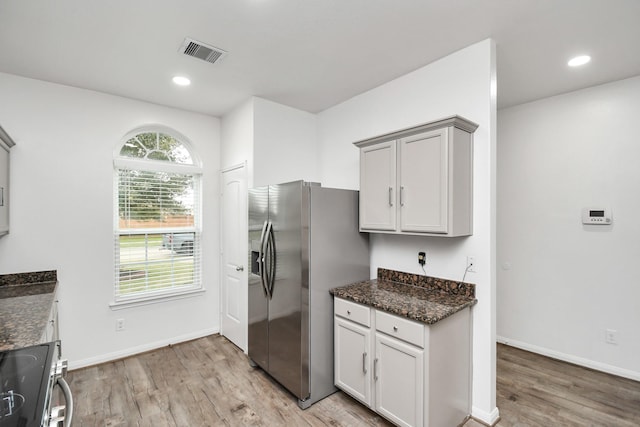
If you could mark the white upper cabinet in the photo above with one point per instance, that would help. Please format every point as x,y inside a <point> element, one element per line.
<point>5,144</point>
<point>419,180</point>
<point>378,181</point>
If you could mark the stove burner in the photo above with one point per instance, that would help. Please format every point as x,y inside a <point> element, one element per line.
<point>16,363</point>
<point>11,403</point>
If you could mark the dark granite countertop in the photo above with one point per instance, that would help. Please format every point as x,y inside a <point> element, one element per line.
<point>421,298</point>
<point>25,303</point>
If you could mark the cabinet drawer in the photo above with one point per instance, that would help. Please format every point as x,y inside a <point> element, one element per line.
<point>401,328</point>
<point>353,311</point>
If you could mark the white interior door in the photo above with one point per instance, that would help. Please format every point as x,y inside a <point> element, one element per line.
<point>234,233</point>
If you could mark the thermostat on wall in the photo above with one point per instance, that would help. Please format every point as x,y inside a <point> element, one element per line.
<point>597,216</point>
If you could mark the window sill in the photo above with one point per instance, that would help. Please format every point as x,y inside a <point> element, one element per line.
<point>154,299</point>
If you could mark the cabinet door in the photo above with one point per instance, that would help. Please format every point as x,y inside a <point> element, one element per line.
<point>423,182</point>
<point>399,381</point>
<point>353,359</point>
<point>4,190</point>
<point>377,187</point>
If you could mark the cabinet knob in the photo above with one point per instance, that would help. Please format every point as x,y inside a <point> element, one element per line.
<point>349,312</point>
<point>395,329</point>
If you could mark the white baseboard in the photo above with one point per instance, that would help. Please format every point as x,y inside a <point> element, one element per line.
<point>598,366</point>
<point>488,418</point>
<point>77,364</point>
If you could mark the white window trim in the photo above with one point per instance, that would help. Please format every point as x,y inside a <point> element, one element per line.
<point>155,299</point>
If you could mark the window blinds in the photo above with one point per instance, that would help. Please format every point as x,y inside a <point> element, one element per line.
<point>157,243</point>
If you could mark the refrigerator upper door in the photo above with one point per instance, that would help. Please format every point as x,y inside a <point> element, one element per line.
<point>287,215</point>
<point>258,333</point>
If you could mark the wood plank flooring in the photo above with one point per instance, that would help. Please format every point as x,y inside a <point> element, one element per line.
<point>208,382</point>
<point>205,382</point>
<point>533,390</point>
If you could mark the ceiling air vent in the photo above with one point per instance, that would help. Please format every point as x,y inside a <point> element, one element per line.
<point>201,51</point>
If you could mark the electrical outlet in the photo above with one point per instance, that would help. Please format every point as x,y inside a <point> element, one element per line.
<point>471,264</point>
<point>422,258</point>
<point>119,325</point>
<point>611,336</point>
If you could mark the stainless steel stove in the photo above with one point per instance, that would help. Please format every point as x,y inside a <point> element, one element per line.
<point>28,377</point>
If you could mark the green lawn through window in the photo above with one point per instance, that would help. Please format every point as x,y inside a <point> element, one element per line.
<point>146,266</point>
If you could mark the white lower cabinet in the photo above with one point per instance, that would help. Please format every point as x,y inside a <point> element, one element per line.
<point>4,188</point>
<point>352,362</point>
<point>411,373</point>
<point>5,145</point>
<point>399,375</point>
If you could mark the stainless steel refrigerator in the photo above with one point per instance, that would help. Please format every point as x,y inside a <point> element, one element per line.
<point>303,241</point>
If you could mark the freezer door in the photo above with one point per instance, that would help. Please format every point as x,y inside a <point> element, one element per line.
<point>258,332</point>
<point>285,335</point>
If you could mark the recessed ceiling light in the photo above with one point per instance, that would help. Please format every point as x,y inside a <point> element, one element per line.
<point>579,60</point>
<point>181,81</point>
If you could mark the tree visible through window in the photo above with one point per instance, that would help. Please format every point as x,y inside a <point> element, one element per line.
<point>157,239</point>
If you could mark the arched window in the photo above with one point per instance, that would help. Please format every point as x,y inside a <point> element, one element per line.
<point>156,216</point>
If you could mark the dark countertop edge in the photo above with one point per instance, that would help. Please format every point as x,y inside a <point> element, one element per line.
<point>46,282</point>
<point>28,278</point>
<point>27,289</point>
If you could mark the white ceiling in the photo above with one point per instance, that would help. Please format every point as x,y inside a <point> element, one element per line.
<point>310,54</point>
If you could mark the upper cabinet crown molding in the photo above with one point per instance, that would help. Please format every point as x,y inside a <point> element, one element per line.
<point>4,136</point>
<point>455,121</point>
<point>419,180</point>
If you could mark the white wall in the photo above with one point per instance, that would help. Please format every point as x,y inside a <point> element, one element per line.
<point>237,138</point>
<point>62,213</point>
<point>567,283</point>
<point>462,83</point>
<point>277,142</point>
<point>284,144</point>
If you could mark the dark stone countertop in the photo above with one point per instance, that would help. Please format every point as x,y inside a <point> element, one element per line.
<point>421,298</point>
<point>25,307</point>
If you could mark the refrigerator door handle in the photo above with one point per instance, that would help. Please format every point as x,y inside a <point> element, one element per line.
<point>261,255</point>
<point>273,261</point>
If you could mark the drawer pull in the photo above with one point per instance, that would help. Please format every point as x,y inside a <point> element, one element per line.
<point>375,369</point>
<point>348,312</point>
<point>395,329</point>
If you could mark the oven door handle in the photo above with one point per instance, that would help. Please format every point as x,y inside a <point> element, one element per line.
<point>66,391</point>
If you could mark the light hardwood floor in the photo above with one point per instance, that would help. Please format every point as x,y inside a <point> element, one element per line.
<point>208,382</point>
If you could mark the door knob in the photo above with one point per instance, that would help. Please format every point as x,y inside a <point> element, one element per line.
<point>239,268</point>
